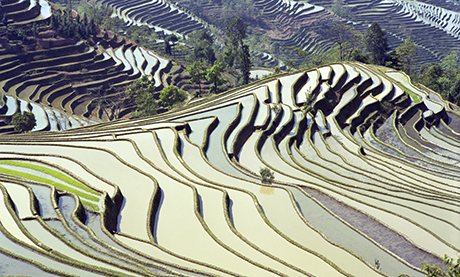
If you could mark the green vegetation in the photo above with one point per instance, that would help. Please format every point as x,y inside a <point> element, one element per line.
<point>443,77</point>
<point>23,122</point>
<point>451,269</point>
<point>66,183</point>
<point>142,35</point>
<point>171,96</point>
<point>70,26</point>
<point>200,71</point>
<point>100,14</point>
<point>169,43</point>
<point>202,44</point>
<point>347,39</point>
<point>214,75</point>
<point>141,92</point>
<point>405,54</point>
<point>236,53</point>
<point>267,175</point>
<point>146,100</point>
<point>376,44</point>
<point>197,71</point>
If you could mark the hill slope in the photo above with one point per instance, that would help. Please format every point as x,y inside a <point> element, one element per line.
<point>365,183</point>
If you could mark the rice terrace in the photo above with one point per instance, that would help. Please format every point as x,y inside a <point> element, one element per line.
<point>230,138</point>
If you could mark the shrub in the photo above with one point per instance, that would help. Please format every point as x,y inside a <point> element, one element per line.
<point>23,122</point>
<point>171,95</point>
<point>452,268</point>
<point>267,175</point>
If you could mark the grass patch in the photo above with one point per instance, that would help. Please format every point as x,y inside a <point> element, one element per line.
<point>88,196</point>
<point>415,97</point>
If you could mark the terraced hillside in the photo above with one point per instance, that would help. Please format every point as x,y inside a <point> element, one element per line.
<point>160,15</point>
<point>433,25</point>
<point>69,81</point>
<point>366,169</point>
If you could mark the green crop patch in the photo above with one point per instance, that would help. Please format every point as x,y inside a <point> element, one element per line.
<point>63,182</point>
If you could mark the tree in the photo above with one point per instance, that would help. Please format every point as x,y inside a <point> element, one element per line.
<point>454,93</point>
<point>452,268</point>
<point>169,43</point>
<point>167,46</point>
<point>202,44</point>
<point>141,93</point>
<point>214,75</point>
<point>267,175</point>
<point>141,85</point>
<point>376,44</point>
<point>107,101</point>
<point>23,122</point>
<point>146,105</point>
<point>406,53</point>
<point>430,75</point>
<point>142,35</point>
<point>346,38</point>
<point>236,54</point>
<point>171,95</point>
<point>340,9</point>
<point>451,64</point>
<point>197,73</point>
<point>244,63</point>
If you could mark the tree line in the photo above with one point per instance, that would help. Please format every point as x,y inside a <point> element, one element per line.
<point>372,47</point>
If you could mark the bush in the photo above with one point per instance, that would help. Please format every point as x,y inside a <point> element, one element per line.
<point>171,95</point>
<point>452,268</point>
<point>23,122</point>
<point>267,175</point>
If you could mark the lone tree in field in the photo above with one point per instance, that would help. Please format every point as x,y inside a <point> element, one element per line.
<point>377,44</point>
<point>267,175</point>
<point>23,122</point>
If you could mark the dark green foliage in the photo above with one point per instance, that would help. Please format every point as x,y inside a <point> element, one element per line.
<point>376,44</point>
<point>141,93</point>
<point>146,105</point>
<point>346,38</point>
<point>197,71</point>
<point>443,77</point>
<point>452,268</point>
<point>405,54</point>
<point>267,175</point>
<point>169,44</point>
<point>236,53</point>
<point>172,95</point>
<point>202,44</point>
<point>214,75</point>
<point>431,75</point>
<point>69,26</point>
<point>99,15</point>
<point>340,8</point>
<point>23,122</point>
<point>454,93</point>
<point>142,35</point>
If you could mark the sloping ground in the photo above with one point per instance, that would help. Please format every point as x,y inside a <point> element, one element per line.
<point>366,183</point>
<point>160,15</point>
<point>432,27</point>
<point>68,82</point>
